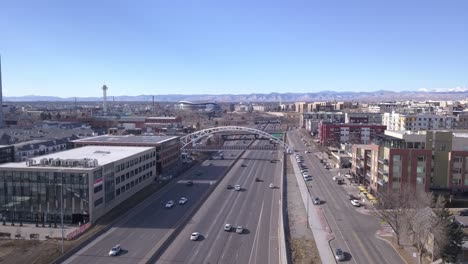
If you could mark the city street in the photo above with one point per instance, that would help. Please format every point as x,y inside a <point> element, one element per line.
<point>352,231</point>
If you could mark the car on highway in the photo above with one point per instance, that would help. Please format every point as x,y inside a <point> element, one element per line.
<point>306,151</point>
<point>355,203</point>
<point>305,174</point>
<point>227,227</point>
<point>115,250</point>
<point>243,165</point>
<point>169,204</point>
<point>239,230</point>
<point>198,173</point>
<point>189,183</point>
<point>237,188</point>
<point>229,186</point>
<point>316,201</point>
<point>272,186</point>
<point>339,254</point>
<point>210,164</point>
<point>183,200</point>
<point>273,161</point>
<point>194,236</point>
<point>258,180</point>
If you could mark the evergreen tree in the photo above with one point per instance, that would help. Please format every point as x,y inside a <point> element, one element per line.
<point>451,247</point>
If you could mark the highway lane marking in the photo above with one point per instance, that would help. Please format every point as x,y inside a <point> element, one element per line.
<point>256,234</point>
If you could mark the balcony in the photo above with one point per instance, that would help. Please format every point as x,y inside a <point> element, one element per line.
<point>383,161</point>
<point>383,172</point>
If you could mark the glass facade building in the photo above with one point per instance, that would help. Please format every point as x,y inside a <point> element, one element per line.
<point>84,188</point>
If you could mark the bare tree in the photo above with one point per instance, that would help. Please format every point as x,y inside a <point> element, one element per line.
<point>422,222</point>
<point>393,208</point>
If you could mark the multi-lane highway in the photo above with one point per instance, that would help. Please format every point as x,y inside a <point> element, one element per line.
<point>141,231</point>
<point>256,208</point>
<point>353,231</point>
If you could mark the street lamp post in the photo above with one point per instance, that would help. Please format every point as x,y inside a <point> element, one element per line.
<point>61,207</point>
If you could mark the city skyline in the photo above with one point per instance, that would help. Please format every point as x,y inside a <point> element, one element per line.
<point>66,50</point>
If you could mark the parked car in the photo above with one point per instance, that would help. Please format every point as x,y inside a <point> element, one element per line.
<point>229,186</point>
<point>258,180</point>
<point>272,186</point>
<point>198,173</point>
<point>115,250</point>
<point>237,188</point>
<point>355,203</point>
<point>463,212</point>
<point>239,230</point>
<point>194,236</point>
<point>227,227</point>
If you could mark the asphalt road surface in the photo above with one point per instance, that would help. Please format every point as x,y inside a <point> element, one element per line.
<point>354,232</point>
<point>142,229</point>
<point>256,208</point>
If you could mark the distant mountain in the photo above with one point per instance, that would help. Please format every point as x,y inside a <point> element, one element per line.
<point>382,95</point>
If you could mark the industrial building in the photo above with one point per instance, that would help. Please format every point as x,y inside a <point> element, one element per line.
<point>85,183</point>
<point>167,147</point>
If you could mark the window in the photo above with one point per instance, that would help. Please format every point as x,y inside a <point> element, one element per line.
<point>457,159</point>
<point>396,157</point>
<point>98,188</point>
<point>98,202</point>
<point>127,186</point>
<point>421,158</point>
<point>117,180</point>
<point>442,147</point>
<point>127,175</point>
<point>456,170</point>
<point>132,184</point>
<point>117,193</point>
<point>122,190</point>
<point>122,178</point>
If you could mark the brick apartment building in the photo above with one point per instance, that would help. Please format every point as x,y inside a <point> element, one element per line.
<point>331,134</point>
<point>428,160</point>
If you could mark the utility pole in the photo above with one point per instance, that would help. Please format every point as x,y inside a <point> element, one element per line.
<point>61,209</point>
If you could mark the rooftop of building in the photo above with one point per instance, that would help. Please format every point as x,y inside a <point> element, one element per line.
<point>103,154</point>
<point>128,139</point>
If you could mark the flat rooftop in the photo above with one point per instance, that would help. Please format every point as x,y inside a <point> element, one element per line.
<point>128,139</point>
<point>103,154</point>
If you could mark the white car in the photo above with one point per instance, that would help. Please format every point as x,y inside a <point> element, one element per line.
<point>272,186</point>
<point>316,201</point>
<point>115,250</point>
<point>194,236</point>
<point>227,227</point>
<point>305,174</point>
<point>355,203</point>
<point>182,200</point>
<point>239,230</point>
<point>169,204</point>
<point>237,187</point>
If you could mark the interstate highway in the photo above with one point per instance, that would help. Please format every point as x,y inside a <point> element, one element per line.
<point>256,208</point>
<point>144,226</point>
<point>354,232</point>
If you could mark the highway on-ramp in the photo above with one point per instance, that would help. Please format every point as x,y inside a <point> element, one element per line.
<point>256,208</point>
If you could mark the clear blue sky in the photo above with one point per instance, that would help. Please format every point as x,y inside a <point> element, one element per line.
<point>70,48</point>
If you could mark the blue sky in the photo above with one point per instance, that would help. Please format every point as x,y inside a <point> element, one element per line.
<point>71,48</point>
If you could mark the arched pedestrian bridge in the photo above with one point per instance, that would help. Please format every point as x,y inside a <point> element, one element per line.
<point>188,141</point>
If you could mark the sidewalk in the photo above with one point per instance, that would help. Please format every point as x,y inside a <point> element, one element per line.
<point>38,233</point>
<point>317,222</point>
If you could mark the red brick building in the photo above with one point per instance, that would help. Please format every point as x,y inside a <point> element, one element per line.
<point>331,134</point>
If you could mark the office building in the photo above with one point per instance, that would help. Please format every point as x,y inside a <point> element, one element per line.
<point>85,183</point>
<point>332,134</point>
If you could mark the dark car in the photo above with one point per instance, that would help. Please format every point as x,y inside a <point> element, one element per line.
<point>273,161</point>
<point>189,183</point>
<point>258,180</point>
<point>243,165</point>
<point>463,212</point>
<point>229,186</point>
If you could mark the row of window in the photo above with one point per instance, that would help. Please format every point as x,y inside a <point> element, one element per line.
<point>134,172</point>
<point>133,183</point>
<point>130,163</point>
